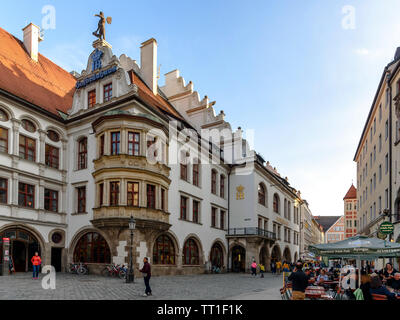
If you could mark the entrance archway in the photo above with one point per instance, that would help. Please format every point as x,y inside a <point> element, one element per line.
<point>238,259</point>
<point>263,256</point>
<point>276,254</point>
<point>23,245</point>
<point>217,256</point>
<point>286,255</point>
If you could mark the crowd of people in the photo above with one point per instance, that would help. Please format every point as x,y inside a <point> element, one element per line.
<point>385,282</point>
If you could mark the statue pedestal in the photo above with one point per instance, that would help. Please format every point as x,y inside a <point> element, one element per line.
<point>101,43</point>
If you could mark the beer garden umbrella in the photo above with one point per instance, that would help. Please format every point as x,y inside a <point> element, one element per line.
<point>358,248</point>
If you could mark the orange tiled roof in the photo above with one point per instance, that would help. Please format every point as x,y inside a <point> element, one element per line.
<point>351,194</point>
<point>153,100</point>
<point>42,83</point>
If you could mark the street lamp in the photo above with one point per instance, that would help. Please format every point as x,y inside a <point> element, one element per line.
<point>130,275</point>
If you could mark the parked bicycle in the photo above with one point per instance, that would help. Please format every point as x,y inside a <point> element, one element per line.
<point>113,270</point>
<point>78,268</point>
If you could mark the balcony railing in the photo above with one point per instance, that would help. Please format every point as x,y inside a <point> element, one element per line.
<point>252,232</point>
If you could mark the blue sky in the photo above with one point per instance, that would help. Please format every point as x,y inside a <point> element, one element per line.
<point>286,69</point>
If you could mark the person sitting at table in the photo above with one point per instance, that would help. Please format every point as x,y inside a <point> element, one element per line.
<point>388,274</point>
<point>376,287</point>
<point>365,285</point>
<point>322,277</point>
<point>396,281</point>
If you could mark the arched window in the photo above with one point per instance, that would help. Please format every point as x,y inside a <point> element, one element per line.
<point>28,125</point>
<point>82,154</point>
<point>261,194</point>
<point>92,248</point>
<point>163,251</point>
<point>191,253</point>
<point>217,256</point>
<point>3,115</point>
<point>53,136</point>
<point>276,203</point>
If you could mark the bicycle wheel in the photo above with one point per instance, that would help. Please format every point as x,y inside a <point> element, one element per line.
<point>81,270</point>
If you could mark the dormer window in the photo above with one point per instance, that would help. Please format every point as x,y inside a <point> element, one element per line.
<point>107,92</point>
<point>28,125</point>
<point>91,98</point>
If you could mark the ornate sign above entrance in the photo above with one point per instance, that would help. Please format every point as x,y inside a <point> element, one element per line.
<point>386,228</point>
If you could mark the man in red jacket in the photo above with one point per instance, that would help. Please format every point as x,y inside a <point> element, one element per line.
<point>146,270</point>
<point>36,262</point>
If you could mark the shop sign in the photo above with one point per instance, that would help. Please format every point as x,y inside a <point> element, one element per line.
<point>386,228</point>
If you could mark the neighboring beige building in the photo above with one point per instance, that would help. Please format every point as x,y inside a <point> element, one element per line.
<point>311,232</point>
<point>373,159</point>
<point>336,232</point>
<point>350,212</point>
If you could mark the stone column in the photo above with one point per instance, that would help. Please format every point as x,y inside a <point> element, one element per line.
<point>15,141</point>
<point>42,149</point>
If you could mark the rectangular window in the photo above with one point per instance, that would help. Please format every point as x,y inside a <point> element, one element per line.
<point>102,145</point>
<point>380,143</point>
<point>81,191</point>
<point>101,194</point>
<point>386,199</point>
<point>133,194</point>
<point>222,220</point>
<point>91,98</point>
<point>151,196</point>
<point>114,193</point>
<point>222,187</point>
<point>133,143</point>
<point>26,195</point>
<point>196,206</point>
<point>3,140</point>
<point>213,182</point>
<point>51,200</point>
<point>115,143</point>
<point>184,172</point>
<point>184,208</point>
<point>82,154</point>
<point>380,112</point>
<point>27,148</point>
<point>214,217</point>
<point>107,92</point>
<point>386,129</point>
<point>52,156</point>
<point>386,164</point>
<point>3,190</point>
<point>162,199</point>
<point>196,174</point>
<point>380,173</point>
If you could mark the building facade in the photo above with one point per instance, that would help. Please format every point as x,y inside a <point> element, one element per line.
<point>350,212</point>
<point>82,153</point>
<point>335,232</point>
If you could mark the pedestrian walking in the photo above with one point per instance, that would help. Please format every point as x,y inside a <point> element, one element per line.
<point>262,270</point>
<point>279,266</point>
<point>146,270</point>
<point>299,282</point>
<point>11,264</point>
<point>254,268</point>
<point>36,262</point>
<point>273,267</point>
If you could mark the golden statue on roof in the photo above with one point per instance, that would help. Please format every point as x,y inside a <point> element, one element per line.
<point>101,28</point>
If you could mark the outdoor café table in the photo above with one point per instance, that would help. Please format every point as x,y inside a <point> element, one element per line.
<point>314,292</point>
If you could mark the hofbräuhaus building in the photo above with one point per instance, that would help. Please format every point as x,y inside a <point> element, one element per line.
<point>80,153</point>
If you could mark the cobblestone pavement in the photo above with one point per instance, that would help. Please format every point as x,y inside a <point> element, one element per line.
<point>91,287</point>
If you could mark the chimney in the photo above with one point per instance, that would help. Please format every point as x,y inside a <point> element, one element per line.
<point>31,40</point>
<point>148,63</point>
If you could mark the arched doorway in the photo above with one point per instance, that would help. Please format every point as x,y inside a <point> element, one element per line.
<point>296,257</point>
<point>286,255</point>
<point>23,245</point>
<point>217,256</point>
<point>238,259</point>
<point>263,256</point>
<point>276,254</point>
